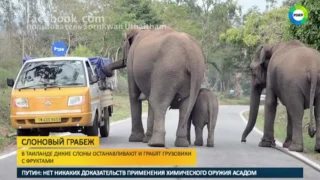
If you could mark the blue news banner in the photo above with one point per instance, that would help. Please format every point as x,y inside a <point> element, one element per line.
<point>160,172</point>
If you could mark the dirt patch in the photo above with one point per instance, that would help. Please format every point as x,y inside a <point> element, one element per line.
<point>9,148</point>
<point>4,131</point>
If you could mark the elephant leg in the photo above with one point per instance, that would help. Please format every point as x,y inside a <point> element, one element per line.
<point>210,140</point>
<point>269,116</point>
<point>181,135</point>
<point>296,111</point>
<point>160,100</point>
<point>199,135</point>
<point>317,119</point>
<point>137,131</point>
<point>288,140</point>
<point>189,129</point>
<point>148,134</point>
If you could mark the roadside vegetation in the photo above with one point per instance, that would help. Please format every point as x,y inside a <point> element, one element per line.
<point>5,125</point>
<point>223,100</point>
<point>8,69</point>
<point>280,129</point>
<point>121,108</point>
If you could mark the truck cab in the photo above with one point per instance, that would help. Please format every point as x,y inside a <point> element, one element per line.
<point>59,94</point>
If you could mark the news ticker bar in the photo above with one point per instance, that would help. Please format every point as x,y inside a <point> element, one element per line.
<point>159,172</point>
<point>58,141</point>
<point>106,157</point>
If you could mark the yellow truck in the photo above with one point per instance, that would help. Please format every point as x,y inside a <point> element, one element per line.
<point>60,94</point>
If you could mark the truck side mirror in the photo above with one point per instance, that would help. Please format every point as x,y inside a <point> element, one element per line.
<point>10,82</point>
<point>93,79</point>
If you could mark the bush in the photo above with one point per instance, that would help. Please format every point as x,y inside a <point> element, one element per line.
<point>82,51</point>
<point>122,84</point>
<point>4,105</point>
<point>8,69</point>
<point>4,74</point>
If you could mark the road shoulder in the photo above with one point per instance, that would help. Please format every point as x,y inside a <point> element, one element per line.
<point>304,158</point>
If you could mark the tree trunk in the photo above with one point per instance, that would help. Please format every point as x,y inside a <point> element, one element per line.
<point>238,89</point>
<point>206,83</point>
<point>215,86</point>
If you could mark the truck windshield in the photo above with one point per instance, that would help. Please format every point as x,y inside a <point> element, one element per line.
<point>46,74</point>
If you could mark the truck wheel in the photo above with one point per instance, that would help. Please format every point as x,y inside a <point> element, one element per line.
<point>93,130</point>
<point>105,129</point>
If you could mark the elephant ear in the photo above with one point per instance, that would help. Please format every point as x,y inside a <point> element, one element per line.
<point>128,39</point>
<point>265,55</point>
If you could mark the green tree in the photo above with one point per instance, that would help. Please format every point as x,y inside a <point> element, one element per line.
<point>269,27</point>
<point>142,11</point>
<point>208,19</point>
<point>289,3</point>
<point>82,51</point>
<point>241,42</point>
<point>270,4</point>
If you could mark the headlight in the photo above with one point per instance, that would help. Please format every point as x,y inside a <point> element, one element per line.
<point>21,102</point>
<point>76,100</point>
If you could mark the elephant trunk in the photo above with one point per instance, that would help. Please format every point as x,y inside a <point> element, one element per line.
<point>254,107</point>
<point>111,67</point>
<point>120,63</point>
<point>313,77</point>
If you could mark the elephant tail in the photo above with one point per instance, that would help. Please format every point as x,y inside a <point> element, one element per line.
<point>313,77</point>
<point>196,71</point>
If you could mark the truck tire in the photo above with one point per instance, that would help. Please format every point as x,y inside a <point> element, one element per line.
<point>93,130</point>
<point>105,129</point>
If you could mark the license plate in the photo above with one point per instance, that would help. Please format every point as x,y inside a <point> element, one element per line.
<point>48,120</point>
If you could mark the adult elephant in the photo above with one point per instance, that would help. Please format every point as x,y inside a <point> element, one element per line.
<point>290,72</point>
<point>167,67</point>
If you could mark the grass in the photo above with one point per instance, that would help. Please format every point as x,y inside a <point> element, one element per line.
<point>225,100</point>
<point>240,101</point>
<point>5,125</point>
<point>121,107</point>
<point>280,129</point>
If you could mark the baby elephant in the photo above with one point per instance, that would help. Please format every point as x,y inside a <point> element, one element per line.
<point>205,112</point>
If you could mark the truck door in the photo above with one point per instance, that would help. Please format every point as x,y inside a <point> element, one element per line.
<point>94,92</point>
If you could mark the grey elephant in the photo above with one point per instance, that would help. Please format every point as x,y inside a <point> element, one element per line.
<point>204,113</point>
<point>166,67</point>
<point>290,72</point>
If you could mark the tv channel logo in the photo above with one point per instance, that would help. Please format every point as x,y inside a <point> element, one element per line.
<point>298,15</point>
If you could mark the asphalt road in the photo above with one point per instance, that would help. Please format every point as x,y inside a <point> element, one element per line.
<point>228,150</point>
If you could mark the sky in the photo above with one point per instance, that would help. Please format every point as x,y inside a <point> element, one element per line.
<point>246,4</point>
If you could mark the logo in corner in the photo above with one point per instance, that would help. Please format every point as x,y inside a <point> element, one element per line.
<point>298,15</point>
